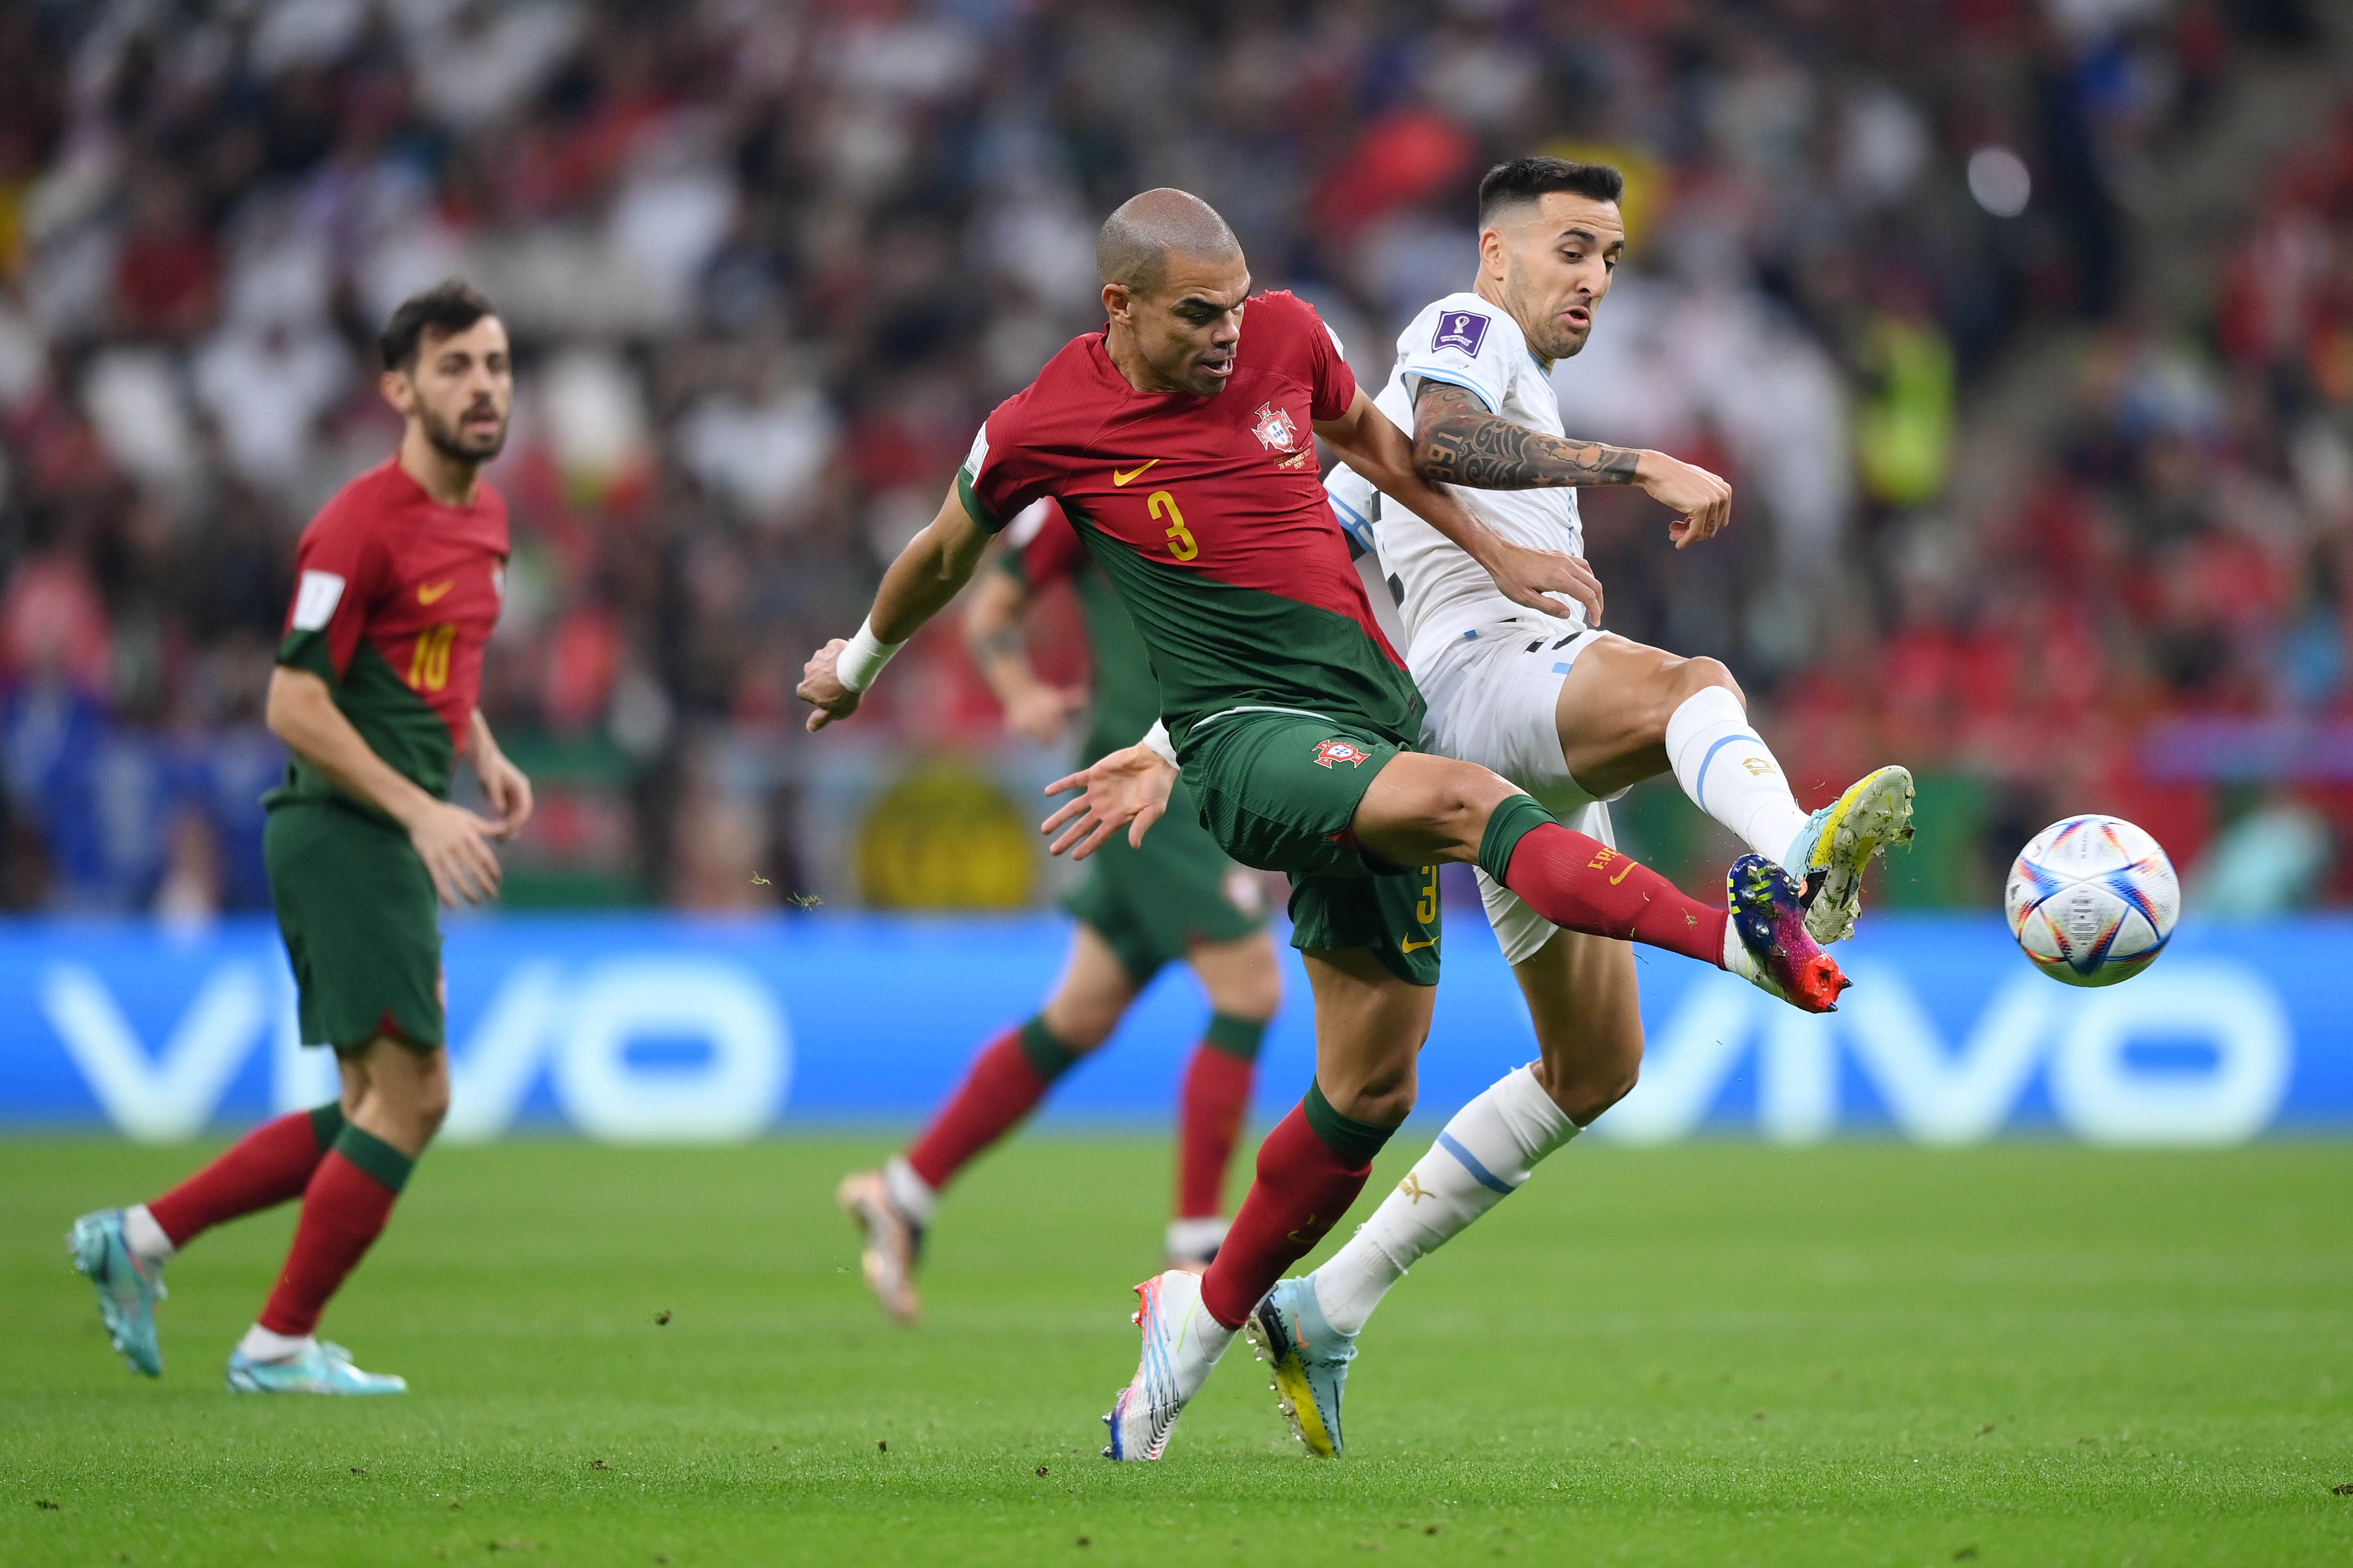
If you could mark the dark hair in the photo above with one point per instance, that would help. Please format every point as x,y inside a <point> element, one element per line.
<point>450,306</point>
<point>1525,179</point>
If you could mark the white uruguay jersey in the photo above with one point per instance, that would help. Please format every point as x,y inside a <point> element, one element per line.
<point>1468,343</point>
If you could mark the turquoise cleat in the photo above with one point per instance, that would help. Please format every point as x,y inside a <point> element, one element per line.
<point>128,1289</point>
<point>323,1369</point>
<point>1310,1358</point>
<point>1836,845</point>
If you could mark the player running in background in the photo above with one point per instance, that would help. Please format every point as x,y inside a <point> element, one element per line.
<point>1182,448</point>
<point>1570,713</point>
<point>401,577</point>
<point>1176,899</point>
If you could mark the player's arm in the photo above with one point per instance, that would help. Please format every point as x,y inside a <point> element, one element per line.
<point>503,783</point>
<point>992,625</point>
<point>1368,443</point>
<point>934,568</point>
<point>1459,440</point>
<point>449,838</point>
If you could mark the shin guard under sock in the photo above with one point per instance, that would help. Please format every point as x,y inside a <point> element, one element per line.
<point>1216,1098</point>
<point>343,1209</point>
<point>1006,1082</point>
<point>1310,1168</point>
<point>270,1165</point>
<point>1579,883</point>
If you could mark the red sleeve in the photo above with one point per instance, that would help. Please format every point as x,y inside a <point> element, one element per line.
<point>338,581</point>
<point>1000,476</point>
<point>1332,385</point>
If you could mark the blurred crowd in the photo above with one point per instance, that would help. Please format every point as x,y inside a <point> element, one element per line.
<point>767,265</point>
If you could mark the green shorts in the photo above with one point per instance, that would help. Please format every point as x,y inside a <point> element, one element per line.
<point>1278,791</point>
<point>362,927</point>
<point>1151,905</point>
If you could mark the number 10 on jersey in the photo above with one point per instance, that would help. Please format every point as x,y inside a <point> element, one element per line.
<point>1180,538</point>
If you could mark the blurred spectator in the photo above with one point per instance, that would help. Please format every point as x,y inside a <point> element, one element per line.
<point>768,264</point>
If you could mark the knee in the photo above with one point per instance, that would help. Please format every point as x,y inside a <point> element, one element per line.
<point>1678,681</point>
<point>1585,1088</point>
<point>1383,1096</point>
<point>430,1108</point>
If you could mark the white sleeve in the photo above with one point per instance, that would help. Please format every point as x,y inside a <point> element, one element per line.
<point>1356,504</point>
<point>1461,340</point>
<point>1155,741</point>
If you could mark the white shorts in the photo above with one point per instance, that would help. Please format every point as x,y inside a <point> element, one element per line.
<point>1492,697</point>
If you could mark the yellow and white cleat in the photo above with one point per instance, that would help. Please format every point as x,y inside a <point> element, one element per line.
<point>1832,850</point>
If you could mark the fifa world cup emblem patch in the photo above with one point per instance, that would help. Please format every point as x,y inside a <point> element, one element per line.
<point>1273,428</point>
<point>1330,752</point>
<point>1464,330</point>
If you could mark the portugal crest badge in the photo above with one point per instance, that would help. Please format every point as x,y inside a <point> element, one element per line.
<point>1330,752</point>
<point>1273,428</point>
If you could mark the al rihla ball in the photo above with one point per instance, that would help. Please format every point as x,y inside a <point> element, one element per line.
<point>2092,900</point>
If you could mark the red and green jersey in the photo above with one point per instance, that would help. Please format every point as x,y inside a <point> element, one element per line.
<point>1209,517</point>
<point>1045,549</point>
<point>395,601</point>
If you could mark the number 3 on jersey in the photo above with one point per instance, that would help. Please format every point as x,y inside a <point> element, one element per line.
<point>1180,538</point>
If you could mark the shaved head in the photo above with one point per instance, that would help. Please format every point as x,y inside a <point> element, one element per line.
<point>1138,240</point>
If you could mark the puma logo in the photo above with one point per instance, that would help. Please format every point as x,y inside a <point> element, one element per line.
<point>434,593</point>
<point>1119,478</point>
<point>1413,1189</point>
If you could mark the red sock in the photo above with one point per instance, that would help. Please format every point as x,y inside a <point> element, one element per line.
<point>1581,884</point>
<point>343,1211</point>
<point>1217,1095</point>
<point>1005,1083</point>
<point>1304,1187</point>
<point>268,1166</point>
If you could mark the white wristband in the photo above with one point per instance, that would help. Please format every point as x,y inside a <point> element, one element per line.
<point>1155,741</point>
<point>863,659</point>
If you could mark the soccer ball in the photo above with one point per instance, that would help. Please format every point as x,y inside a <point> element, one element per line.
<point>2092,900</point>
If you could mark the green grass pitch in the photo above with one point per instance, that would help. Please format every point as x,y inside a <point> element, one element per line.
<point>1718,1355</point>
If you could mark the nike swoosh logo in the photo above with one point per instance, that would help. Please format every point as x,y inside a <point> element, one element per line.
<point>1119,478</point>
<point>1621,874</point>
<point>1415,946</point>
<point>433,593</point>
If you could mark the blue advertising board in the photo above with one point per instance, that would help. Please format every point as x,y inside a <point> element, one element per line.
<point>659,1028</point>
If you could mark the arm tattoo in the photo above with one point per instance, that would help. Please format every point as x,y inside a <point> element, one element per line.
<point>1456,440</point>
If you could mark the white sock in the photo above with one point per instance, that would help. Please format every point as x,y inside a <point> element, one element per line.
<point>1481,1156</point>
<point>1195,1237</point>
<point>1729,772</point>
<point>914,1195</point>
<point>1201,1344</point>
<point>261,1344</point>
<point>145,1236</point>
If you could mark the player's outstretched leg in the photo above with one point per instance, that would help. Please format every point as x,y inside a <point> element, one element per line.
<point>1625,711</point>
<point>123,1251</point>
<point>1580,884</point>
<point>401,1093</point>
<point>1832,850</point>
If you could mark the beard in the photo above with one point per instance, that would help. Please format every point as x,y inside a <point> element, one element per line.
<point>453,443</point>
